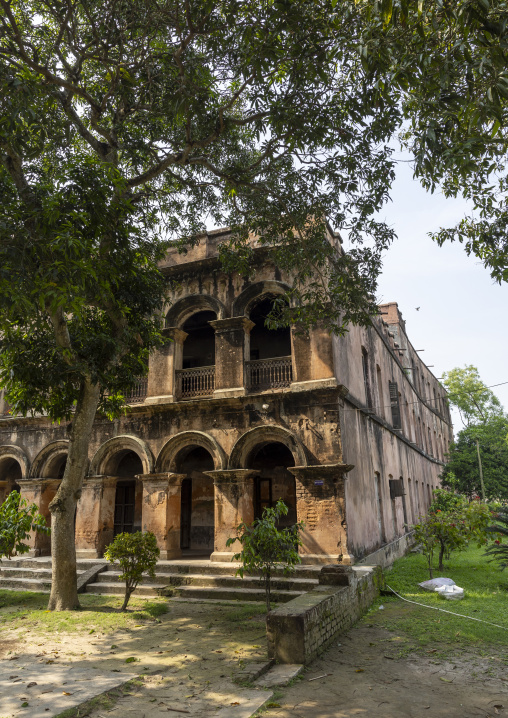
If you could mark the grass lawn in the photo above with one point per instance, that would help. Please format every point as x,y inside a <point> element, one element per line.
<point>98,613</point>
<point>486,598</point>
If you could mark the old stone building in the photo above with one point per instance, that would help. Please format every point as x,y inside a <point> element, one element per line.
<point>350,431</point>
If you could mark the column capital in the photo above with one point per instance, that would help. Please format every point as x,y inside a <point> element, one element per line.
<point>175,334</point>
<point>232,476</point>
<point>231,324</point>
<point>167,477</point>
<point>326,471</point>
<point>39,481</point>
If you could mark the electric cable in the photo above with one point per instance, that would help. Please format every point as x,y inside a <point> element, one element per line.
<point>443,610</point>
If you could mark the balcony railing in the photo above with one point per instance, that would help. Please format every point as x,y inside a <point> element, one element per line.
<point>193,383</point>
<point>138,394</point>
<point>265,374</point>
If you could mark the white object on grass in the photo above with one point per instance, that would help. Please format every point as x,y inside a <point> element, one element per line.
<point>452,593</point>
<point>436,583</point>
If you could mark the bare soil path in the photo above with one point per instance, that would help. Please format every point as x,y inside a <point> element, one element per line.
<point>376,673</point>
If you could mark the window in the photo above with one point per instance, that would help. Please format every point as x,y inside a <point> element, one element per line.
<point>394,508</point>
<point>366,377</point>
<point>395,405</point>
<point>381,403</point>
<point>379,506</point>
<point>404,507</point>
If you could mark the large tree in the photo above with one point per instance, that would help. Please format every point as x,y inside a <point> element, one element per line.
<point>462,470</point>
<point>125,124</point>
<point>446,62</point>
<point>478,459</point>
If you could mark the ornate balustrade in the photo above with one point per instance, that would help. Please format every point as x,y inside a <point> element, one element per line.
<point>193,383</point>
<point>265,374</point>
<point>138,394</point>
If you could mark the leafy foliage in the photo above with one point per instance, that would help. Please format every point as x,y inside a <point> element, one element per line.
<point>445,62</point>
<point>462,473</point>
<point>499,550</point>
<point>137,553</point>
<point>265,547</point>
<point>451,530</point>
<point>474,400</point>
<point>17,521</point>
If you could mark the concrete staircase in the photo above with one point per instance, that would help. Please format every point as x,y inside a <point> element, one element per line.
<point>183,579</point>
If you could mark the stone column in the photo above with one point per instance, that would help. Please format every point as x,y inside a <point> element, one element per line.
<point>234,503</point>
<point>162,503</point>
<point>313,363</point>
<point>39,492</point>
<point>321,505</point>
<point>162,365</point>
<point>231,352</point>
<point>95,516</point>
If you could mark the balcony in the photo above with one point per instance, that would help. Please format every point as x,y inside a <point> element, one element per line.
<point>263,374</point>
<point>195,383</point>
<point>138,394</point>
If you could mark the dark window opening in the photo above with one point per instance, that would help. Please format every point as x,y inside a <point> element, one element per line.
<point>129,493</point>
<point>199,346</point>
<point>267,343</point>
<point>366,377</point>
<point>197,499</point>
<point>274,481</point>
<point>395,405</point>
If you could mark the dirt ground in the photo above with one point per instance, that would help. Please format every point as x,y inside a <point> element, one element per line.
<point>190,658</point>
<point>372,672</point>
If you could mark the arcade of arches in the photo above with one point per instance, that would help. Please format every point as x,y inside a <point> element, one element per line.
<point>193,507</point>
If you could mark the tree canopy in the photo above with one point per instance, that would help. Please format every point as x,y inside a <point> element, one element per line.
<point>474,400</point>
<point>447,65</point>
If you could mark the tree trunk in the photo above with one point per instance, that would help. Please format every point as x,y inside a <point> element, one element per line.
<point>441,555</point>
<point>126,598</point>
<point>64,593</point>
<point>267,590</point>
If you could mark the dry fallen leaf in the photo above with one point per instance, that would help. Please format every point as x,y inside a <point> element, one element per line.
<point>66,693</point>
<point>359,670</point>
<point>236,703</point>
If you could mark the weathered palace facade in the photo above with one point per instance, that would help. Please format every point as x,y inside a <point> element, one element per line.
<point>350,431</point>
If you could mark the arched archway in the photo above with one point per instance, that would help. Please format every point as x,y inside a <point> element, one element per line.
<point>199,345</point>
<point>111,452</point>
<point>260,436</point>
<point>197,499</point>
<point>274,481</point>
<point>184,308</point>
<point>267,343</point>
<point>255,293</point>
<point>50,462</point>
<point>12,470</point>
<point>167,461</point>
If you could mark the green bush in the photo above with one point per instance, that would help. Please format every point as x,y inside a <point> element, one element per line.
<point>499,550</point>
<point>451,530</point>
<point>17,521</point>
<point>137,553</point>
<point>265,547</point>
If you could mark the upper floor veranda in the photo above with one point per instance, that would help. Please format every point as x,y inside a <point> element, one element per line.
<point>218,346</point>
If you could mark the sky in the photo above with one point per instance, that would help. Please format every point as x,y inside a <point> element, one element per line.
<point>462,316</point>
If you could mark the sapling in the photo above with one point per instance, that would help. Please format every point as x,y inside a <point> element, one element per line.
<point>136,553</point>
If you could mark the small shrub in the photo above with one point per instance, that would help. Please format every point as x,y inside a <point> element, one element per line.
<point>265,547</point>
<point>137,553</point>
<point>499,550</point>
<point>17,521</point>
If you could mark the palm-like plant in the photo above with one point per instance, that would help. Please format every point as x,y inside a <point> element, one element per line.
<point>499,550</point>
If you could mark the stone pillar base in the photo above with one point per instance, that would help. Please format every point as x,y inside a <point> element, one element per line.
<point>87,553</point>
<point>161,511</point>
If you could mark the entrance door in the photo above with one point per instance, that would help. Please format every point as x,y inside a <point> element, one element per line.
<point>124,507</point>
<point>185,516</point>
<point>263,495</point>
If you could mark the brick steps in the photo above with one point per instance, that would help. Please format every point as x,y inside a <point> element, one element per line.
<point>184,580</point>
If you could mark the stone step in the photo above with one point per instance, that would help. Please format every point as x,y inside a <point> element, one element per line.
<point>291,583</point>
<point>118,588</point>
<point>229,594</point>
<point>222,568</point>
<point>34,573</point>
<point>25,584</point>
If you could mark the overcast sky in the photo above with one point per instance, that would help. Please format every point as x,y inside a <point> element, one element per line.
<point>463,314</point>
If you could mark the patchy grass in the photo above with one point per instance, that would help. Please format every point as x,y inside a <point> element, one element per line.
<point>486,598</point>
<point>28,610</point>
<point>245,613</point>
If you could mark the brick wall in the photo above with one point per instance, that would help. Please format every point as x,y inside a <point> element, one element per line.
<point>300,629</point>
